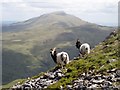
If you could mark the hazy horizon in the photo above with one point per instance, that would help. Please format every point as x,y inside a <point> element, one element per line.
<point>103,12</point>
<point>11,22</point>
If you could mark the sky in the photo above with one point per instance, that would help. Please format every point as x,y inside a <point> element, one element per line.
<point>103,12</point>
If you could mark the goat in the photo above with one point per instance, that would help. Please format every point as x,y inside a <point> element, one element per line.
<point>83,48</point>
<point>61,58</point>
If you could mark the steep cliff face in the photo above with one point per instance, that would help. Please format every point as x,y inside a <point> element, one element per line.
<point>100,69</point>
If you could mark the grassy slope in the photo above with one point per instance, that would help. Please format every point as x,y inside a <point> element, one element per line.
<point>97,60</point>
<point>34,40</point>
<point>35,45</point>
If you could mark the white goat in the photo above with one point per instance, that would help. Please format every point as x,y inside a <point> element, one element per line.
<point>83,48</point>
<point>61,58</point>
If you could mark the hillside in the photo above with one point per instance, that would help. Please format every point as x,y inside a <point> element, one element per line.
<point>54,20</point>
<point>99,70</point>
<point>26,44</point>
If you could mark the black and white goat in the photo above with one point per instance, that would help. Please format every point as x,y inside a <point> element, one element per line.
<point>83,48</point>
<point>61,58</point>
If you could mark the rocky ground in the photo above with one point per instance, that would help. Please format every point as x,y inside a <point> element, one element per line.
<point>98,81</point>
<point>43,81</point>
<point>98,71</point>
<point>85,81</point>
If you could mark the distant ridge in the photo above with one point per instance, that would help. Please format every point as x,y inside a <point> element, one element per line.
<point>27,43</point>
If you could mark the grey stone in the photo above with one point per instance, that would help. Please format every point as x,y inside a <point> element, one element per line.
<point>118,73</point>
<point>117,79</point>
<point>69,87</point>
<point>97,81</point>
<point>87,77</point>
<point>112,60</point>
<point>51,76</point>
<point>61,88</point>
<point>85,82</point>
<point>76,86</point>
<point>107,84</point>
<point>93,86</point>
<point>76,81</point>
<point>59,74</point>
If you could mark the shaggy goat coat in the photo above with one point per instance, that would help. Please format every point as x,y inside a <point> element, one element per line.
<point>61,58</point>
<point>85,49</point>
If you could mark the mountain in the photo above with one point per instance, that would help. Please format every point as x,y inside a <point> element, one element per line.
<point>55,19</point>
<point>26,44</point>
<point>98,70</point>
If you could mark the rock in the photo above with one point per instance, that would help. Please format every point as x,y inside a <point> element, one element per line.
<point>116,88</point>
<point>16,86</point>
<point>112,71</point>
<point>45,87</point>
<point>46,75</point>
<point>51,76</point>
<point>76,81</point>
<point>87,77</point>
<point>97,81</point>
<point>41,77</point>
<point>59,74</point>
<point>90,72</point>
<point>112,60</point>
<point>26,86</point>
<point>89,84</point>
<point>106,84</point>
<point>61,88</point>
<point>117,79</point>
<point>69,87</point>
<point>81,87</point>
<point>32,80</point>
<point>118,73</point>
<point>43,80</point>
<point>83,74</point>
<point>109,78</point>
<point>104,77</point>
<point>59,70</point>
<point>93,86</point>
<point>48,82</point>
<point>76,58</point>
<point>86,81</point>
<point>38,87</point>
<point>75,86</point>
<point>37,79</point>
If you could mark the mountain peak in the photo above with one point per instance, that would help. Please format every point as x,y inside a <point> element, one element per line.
<point>59,13</point>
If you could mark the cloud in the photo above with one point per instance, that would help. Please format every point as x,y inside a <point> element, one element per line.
<point>90,10</point>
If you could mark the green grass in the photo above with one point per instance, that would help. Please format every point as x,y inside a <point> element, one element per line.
<point>35,43</point>
<point>97,60</point>
<point>37,35</point>
<point>13,83</point>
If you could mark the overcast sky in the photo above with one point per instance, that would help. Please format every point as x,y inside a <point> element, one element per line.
<point>102,12</point>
